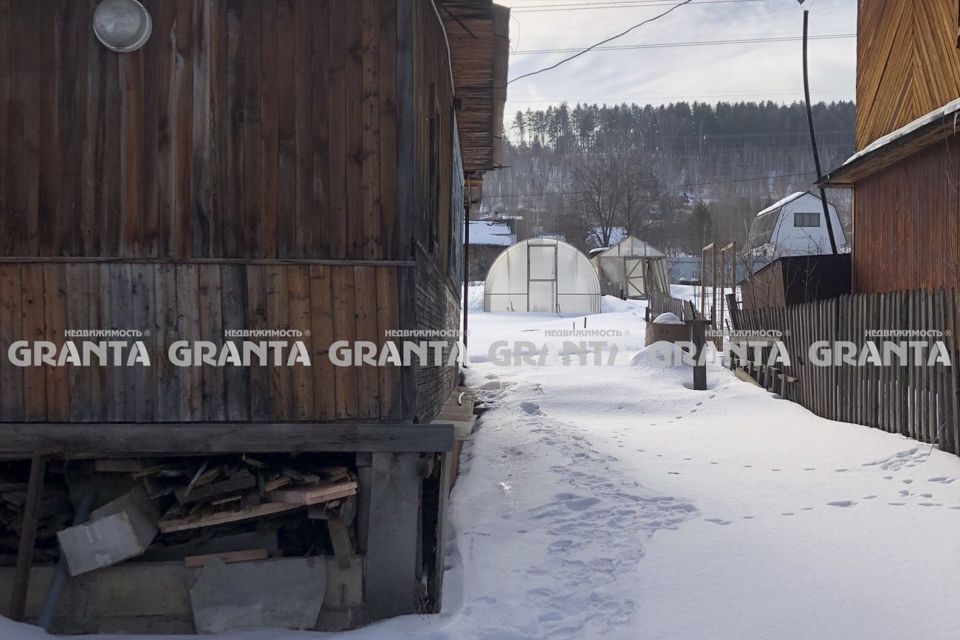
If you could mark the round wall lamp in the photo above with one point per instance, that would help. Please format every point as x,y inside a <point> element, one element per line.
<point>122,25</point>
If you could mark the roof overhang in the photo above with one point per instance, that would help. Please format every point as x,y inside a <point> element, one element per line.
<point>478,32</point>
<point>904,142</point>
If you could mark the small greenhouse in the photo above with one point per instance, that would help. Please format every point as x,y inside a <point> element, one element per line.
<point>542,275</point>
<point>631,269</point>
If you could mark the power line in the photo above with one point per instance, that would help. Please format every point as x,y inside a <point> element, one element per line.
<point>603,42</point>
<point>691,43</point>
<point>646,99</point>
<point>670,186</point>
<point>551,8</point>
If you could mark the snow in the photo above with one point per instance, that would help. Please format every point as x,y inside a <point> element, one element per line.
<point>951,108</point>
<point>667,318</point>
<point>495,234</point>
<point>785,201</point>
<point>615,502</point>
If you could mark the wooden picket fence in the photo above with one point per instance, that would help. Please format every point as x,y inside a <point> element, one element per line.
<point>658,303</point>
<point>915,399</point>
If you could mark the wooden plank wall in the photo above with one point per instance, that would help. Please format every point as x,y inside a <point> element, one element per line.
<point>432,78</point>
<point>438,307</point>
<point>198,302</point>
<point>908,63</point>
<point>906,223</point>
<point>243,129</point>
<point>765,288</point>
<point>914,400</point>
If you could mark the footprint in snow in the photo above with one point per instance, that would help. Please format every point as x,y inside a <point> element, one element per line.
<point>907,481</point>
<point>842,503</point>
<point>719,521</point>
<point>530,408</point>
<point>926,495</point>
<point>809,468</point>
<point>868,497</point>
<point>788,513</point>
<point>942,480</point>
<point>580,504</point>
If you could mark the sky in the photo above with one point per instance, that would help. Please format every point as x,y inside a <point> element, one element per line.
<point>770,70</point>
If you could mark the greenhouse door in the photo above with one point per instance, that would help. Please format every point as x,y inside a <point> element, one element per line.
<point>542,278</point>
<point>634,271</point>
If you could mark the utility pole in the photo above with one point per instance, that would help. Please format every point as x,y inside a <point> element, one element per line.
<point>813,136</point>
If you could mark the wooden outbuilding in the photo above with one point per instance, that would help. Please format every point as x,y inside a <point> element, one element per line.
<point>289,170</point>
<point>904,176</point>
<point>796,280</point>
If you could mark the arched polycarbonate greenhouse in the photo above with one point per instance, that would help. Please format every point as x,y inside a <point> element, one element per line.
<point>542,275</point>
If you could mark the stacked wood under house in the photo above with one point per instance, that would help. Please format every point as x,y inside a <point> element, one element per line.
<point>257,172</point>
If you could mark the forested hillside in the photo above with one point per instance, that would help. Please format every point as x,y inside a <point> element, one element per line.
<point>677,175</point>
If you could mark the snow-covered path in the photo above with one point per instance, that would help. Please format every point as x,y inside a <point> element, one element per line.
<point>614,502</point>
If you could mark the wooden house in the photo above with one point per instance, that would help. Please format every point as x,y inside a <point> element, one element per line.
<point>256,166</point>
<point>904,176</point>
<point>794,226</point>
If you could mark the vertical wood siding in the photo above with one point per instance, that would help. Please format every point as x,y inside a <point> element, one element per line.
<point>197,302</point>
<point>241,129</point>
<point>908,63</point>
<point>906,223</point>
<point>262,131</point>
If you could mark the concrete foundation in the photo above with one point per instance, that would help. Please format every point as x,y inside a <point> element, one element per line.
<point>153,598</point>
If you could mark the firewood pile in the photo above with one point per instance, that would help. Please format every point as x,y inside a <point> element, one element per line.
<point>234,507</point>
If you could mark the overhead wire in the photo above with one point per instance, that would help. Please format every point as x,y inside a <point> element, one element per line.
<point>602,42</point>
<point>615,5</point>
<point>691,43</point>
<point>669,186</point>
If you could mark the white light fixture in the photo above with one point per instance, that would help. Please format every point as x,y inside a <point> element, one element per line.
<point>122,25</point>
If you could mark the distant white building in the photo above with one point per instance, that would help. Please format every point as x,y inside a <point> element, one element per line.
<point>794,226</point>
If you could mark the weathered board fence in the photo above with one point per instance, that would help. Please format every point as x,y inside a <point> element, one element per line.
<point>658,303</point>
<point>914,398</point>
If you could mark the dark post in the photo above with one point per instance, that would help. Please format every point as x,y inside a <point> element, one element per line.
<point>698,335</point>
<point>28,538</point>
<point>813,136</point>
<point>466,267</point>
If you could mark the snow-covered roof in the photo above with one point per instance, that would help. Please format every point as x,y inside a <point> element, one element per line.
<point>948,109</point>
<point>495,234</point>
<point>781,203</point>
